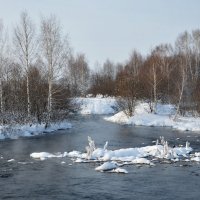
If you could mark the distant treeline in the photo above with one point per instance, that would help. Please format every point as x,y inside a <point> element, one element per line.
<point>169,74</point>
<point>39,74</point>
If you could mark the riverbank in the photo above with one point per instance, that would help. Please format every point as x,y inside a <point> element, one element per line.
<point>28,130</point>
<point>164,117</point>
<point>100,105</point>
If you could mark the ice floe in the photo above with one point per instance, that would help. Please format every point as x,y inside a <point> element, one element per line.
<point>106,166</point>
<point>11,160</point>
<point>45,155</point>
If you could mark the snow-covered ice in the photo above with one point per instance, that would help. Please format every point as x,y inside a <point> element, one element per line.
<point>113,160</point>
<point>111,167</point>
<point>119,170</point>
<point>106,166</point>
<point>142,161</point>
<point>11,160</point>
<point>45,155</point>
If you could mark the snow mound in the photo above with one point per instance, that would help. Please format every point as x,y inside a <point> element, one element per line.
<point>120,118</point>
<point>106,166</point>
<point>98,105</point>
<point>163,118</point>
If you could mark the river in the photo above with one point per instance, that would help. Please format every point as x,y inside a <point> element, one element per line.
<point>28,179</point>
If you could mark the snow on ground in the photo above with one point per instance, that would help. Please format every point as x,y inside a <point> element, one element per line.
<point>16,131</point>
<point>113,160</point>
<point>97,105</point>
<point>163,118</point>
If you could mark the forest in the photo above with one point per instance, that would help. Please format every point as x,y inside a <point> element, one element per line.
<point>40,74</point>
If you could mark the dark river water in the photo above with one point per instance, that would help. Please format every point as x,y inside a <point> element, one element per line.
<point>30,179</point>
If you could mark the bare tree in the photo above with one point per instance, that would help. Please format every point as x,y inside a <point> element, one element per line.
<point>196,51</point>
<point>2,47</point>
<point>186,72</point>
<point>25,48</point>
<point>127,82</point>
<point>54,56</point>
<point>4,63</point>
<point>77,73</point>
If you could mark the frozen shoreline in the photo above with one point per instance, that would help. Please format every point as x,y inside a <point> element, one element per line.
<point>16,131</point>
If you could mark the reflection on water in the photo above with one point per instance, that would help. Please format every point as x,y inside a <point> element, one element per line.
<point>25,178</point>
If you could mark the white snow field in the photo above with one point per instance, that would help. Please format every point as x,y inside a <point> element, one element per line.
<point>113,160</point>
<point>97,105</point>
<point>16,131</point>
<point>163,117</point>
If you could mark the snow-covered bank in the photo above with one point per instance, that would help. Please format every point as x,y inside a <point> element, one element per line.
<point>163,118</point>
<point>112,160</point>
<point>96,105</point>
<point>142,115</point>
<point>16,131</point>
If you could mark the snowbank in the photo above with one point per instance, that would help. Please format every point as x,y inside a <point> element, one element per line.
<point>14,132</point>
<point>112,160</point>
<point>97,105</point>
<point>163,118</point>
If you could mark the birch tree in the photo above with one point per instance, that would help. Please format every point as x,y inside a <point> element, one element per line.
<point>3,60</point>
<point>184,65</point>
<point>78,73</point>
<point>54,55</point>
<point>196,51</point>
<point>25,46</point>
<point>152,76</point>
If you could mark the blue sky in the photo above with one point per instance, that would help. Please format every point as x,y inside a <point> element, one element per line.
<point>111,28</point>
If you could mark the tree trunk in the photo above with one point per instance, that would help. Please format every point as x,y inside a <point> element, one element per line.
<point>154,89</point>
<point>49,104</point>
<point>181,95</point>
<point>28,97</point>
<point>1,96</point>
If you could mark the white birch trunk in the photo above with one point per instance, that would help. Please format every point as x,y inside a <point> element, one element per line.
<point>28,96</point>
<point>49,103</point>
<point>1,96</point>
<point>181,95</point>
<point>154,89</point>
